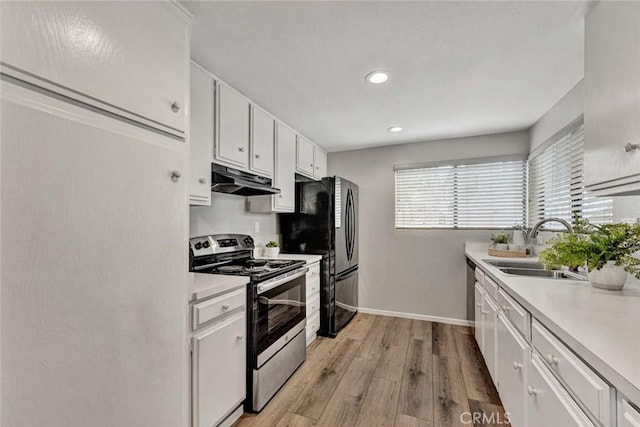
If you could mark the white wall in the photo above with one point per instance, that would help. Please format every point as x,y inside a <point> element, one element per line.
<point>413,271</point>
<point>566,110</point>
<point>227,214</point>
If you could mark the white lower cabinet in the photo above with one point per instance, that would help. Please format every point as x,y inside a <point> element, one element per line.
<point>549,403</point>
<point>513,368</point>
<point>628,415</point>
<point>218,370</point>
<point>313,301</point>
<point>490,317</point>
<point>479,323</point>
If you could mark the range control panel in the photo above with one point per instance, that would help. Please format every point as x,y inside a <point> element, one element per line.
<point>220,243</point>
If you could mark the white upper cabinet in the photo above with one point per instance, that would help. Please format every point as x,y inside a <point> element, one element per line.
<point>262,142</point>
<point>201,136</point>
<point>320,163</point>
<point>232,127</point>
<point>304,156</point>
<point>612,99</point>
<point>131,60</point>
<point>285,169</point>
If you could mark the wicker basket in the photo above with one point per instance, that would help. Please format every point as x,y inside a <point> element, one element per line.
<point>507,254</point>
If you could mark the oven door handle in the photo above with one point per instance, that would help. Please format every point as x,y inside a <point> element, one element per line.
<point>268,286</point>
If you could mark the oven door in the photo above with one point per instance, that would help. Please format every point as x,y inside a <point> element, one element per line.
<point>280,311</point>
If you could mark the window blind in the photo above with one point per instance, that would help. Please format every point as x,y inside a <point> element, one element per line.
<point>556,184</point>
<point>487,195</point>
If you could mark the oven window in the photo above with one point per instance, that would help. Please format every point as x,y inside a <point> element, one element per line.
<point>279,310</point>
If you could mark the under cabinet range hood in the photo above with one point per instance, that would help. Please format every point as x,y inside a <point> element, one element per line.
<point>232,181</point>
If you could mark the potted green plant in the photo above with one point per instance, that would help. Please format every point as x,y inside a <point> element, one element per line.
<point>608,251</point>
<point>500,241</point>
<point>271,249</point>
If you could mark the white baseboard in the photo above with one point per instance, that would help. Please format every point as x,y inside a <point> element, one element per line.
<point>448,320</point>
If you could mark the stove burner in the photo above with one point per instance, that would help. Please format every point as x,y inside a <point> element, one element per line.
<point>230,268</point>
<point>255,262</point>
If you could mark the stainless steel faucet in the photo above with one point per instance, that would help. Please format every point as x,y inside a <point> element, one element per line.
<point>534,230</point>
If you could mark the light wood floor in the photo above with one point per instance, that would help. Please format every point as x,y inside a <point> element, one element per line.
<point>385,371</point>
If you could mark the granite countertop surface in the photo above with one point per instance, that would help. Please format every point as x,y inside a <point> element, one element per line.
<point>602,327</point>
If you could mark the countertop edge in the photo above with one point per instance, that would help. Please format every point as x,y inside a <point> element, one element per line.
<point>627,388</point>
<point>202,285</point>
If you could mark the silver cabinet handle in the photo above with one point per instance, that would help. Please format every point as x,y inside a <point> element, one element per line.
<point>484,313</point>
<point>257,156</point>
<point>202,180</point>
<point>239,336</point>
<point>313,289</point>
<point>631,147</point>
<point>506,308</point>
<point>552,360</point>
<point>175,176</point>
<point>311,165</point>
<point>478,304</point>
<point>241,149</point>
<point>225,307</point>
<point>175,106</point>
<point>517,366</point>
<point>532,391</point>
<point>280,196</point>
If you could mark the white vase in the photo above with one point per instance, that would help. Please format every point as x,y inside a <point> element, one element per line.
<point>271,252</point>
<point>610,276</point>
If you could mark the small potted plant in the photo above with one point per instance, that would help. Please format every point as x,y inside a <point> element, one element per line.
<point>271,249</point>
<point>500,241</point>
<point>608,251</point>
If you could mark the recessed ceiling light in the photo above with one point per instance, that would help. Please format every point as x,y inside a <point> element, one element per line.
<point>377,77</point>
<point>394,129</point>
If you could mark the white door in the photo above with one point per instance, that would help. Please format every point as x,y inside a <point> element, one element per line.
<point>285,168</point>
<point>218,371</point>
<point>320,163</point>
<point>201,136</point>
<point>490,314</point>
<point>549,403</point>
<point>129,57</point>
<point>232,127</point>
<point>262,142</point>
<point>513,365</point>
<point>304,157</point>
<point>93,268</point>
<point>479,318</point>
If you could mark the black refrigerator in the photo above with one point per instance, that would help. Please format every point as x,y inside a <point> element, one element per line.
<point>326,223</point>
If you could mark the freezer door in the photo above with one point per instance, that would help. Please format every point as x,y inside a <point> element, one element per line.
<point>346,298</point>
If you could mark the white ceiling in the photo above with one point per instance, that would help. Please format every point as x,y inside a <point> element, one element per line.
<point>458,68</point>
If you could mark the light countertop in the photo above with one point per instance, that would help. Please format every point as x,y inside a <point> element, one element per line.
<point>602,327</point>
<point>202,285</point>
<point>310,259</point>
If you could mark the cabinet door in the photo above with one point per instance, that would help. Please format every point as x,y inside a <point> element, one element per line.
<point>320,163</point>
<point>612,97</point>
<point>201,136</point>
<point>100,53</point>
<point>218,371</point>
<point>92,198</point>
<point>304,156</point>
<point>628,416</point>
<point>285,169</point>
<point>262,142</point>
<point>479,318</point>
<point>232,127</point>
<point>549,403</point>
<point>490,313</point>
<point>513,365</point>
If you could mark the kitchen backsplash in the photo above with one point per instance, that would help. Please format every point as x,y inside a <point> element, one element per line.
<point>228,214</point>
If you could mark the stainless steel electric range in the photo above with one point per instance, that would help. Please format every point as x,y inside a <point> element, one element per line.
<point>276,309</point>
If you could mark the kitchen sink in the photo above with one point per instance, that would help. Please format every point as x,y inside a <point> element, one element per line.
<point>533,269</point>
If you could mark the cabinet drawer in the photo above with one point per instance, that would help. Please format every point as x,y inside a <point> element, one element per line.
<point>581,381</point>
<point>479,275</point>
<point>515,313</point>
<point>491,287</point>
<point>314,270</point>
<point>313,306</point>
<point>629,415</point>
<point>216,307</point>
<point>313,324</point>
<point>313,287</point>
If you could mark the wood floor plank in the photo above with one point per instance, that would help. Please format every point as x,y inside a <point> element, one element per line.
<point>416,392</point>
<point>450,394</point>
<point>359,326</point>
<point>274,411</point>
<point>345,404</point>
<point>380,405</point>
<point>391,362</point>
<point>443,341</point>
<point>421,330</point>
<point>294,420</point>
<point>376,339</point>
<point>487,415</point>
<point>315,397</point>
<point>476,377</point>
<point>403,420</point>
<point>399,332</point>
